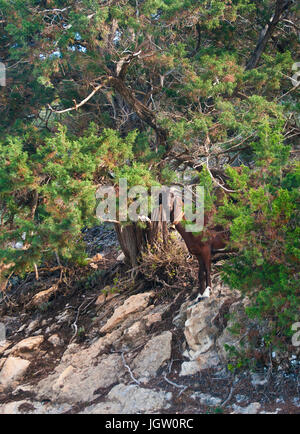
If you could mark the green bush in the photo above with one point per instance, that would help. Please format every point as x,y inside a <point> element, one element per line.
<point>47,191</point>
<point>264,228</point>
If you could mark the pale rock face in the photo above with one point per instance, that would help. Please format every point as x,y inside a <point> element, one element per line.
<point>27,347</point>
<point>180,319</point>
<point>207,331</point>
<point>100,300</point>
<point>79,385</point>
<point>152,319</point>
<point>32,407</point>
<point>82,371</point>
<point>132,399</point>
<point>189,368</point>
<point>200,333</point>
<point>2,361</point>
<point>201,361</point>
<point>252,408</point>
<point>121,257</point>
<point>133,304</point>
<point>4,346</point>
<point>199,329</point>
<point>43,296</point>
<point>51,328</point>
<point>134,332</point>
<point>32,326</point>
<point>258,379</point>
<point>206,399</point>
<point>153,355</point>
<point>55,340</point>
<point>12,371</point>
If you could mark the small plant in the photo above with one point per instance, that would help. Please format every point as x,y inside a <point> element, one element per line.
<point>218,410</point>
<point>239,359</point>
<point>81,332</point>
<point>44,307</point>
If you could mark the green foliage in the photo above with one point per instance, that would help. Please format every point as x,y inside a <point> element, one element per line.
<point>189,80</point>
<point>239,359</point>
<point>47,192</point>
<point>265,230</point>
<point>206,182</point>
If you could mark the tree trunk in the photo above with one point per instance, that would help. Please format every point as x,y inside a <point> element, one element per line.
<point>135,239</point>
<point>143,112</point>
<point>267,32</point>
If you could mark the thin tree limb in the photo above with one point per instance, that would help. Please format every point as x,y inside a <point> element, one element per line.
<point>77,106</point>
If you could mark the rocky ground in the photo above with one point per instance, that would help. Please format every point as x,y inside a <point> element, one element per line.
<point>93,351</point>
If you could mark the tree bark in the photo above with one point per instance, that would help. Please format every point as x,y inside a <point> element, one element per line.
<point>134,239</point>
<point>143,112</point>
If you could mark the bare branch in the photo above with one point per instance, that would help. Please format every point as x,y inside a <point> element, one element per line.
<point>208,169</point>
<point>122,64</point>
<point>77,106</point>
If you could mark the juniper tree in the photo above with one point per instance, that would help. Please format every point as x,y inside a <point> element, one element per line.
<point>159,91</point>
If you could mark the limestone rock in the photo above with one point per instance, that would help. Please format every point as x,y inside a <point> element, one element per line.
<point>63,317</point>
<point>43,296</point>
<point>133,304</point>
<point>134,332</point>
<point>23,327</point>
<point>82,371</point>
<point>252,408</point>
<point>258,379</point>
<point>206,399</point>
<point>32,326</point>
<point>13,370</point>
<point>121,257</point>
<point>201,332</point>
<point>29,407</point>
<point>27,347</point>
<point>152,318</point>
<point>189,368</point>
<point>4,346</point>
<point>199,329</point>
<point>132,399</point>
<point>51,328</point>
<point>153,355</point>
<point>200,362</point>
<point>55,340</point>
<point>180,319</point>
<point>100,300</point>
<point>79,385</point>
<point>237,314</point>
<point>240,398</point>
<point>2,361</point>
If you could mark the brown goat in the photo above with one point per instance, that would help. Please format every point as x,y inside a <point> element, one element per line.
<point>202,246</point>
